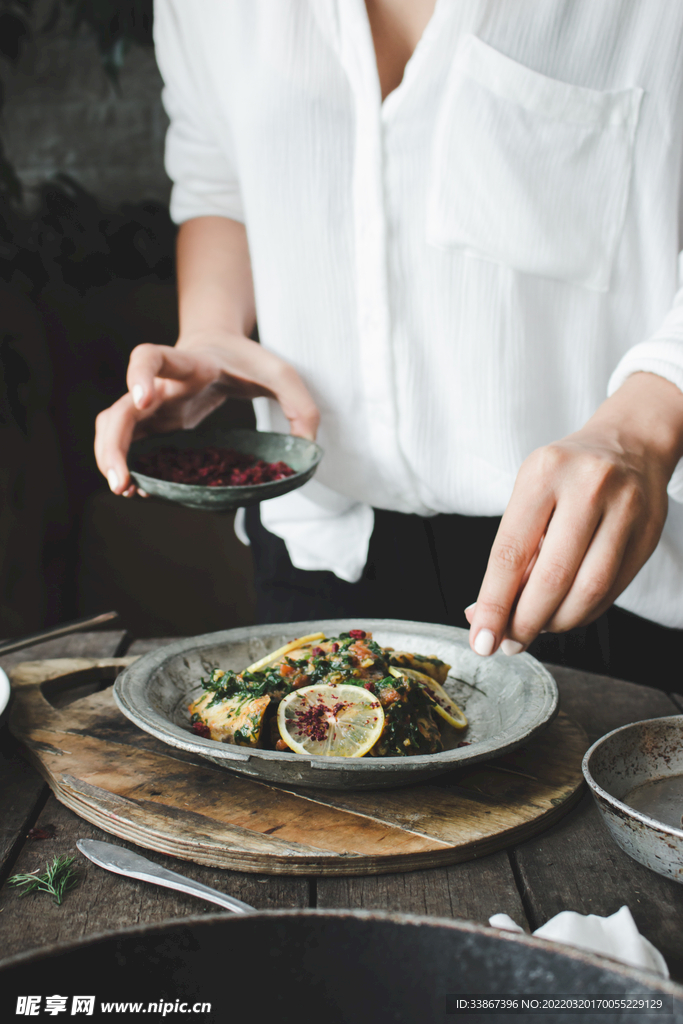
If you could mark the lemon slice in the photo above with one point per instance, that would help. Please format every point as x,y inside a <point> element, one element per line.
<point>293,645</point>
<point>444,705</point>
<point>332,721</point>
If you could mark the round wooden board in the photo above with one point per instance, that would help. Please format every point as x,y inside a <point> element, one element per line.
<point>133,786</point>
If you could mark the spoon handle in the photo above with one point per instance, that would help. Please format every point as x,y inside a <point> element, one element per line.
<point>125,862</point>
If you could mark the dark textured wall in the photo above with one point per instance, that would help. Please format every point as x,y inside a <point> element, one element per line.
<point>62,115</point>
<point>167,570</point>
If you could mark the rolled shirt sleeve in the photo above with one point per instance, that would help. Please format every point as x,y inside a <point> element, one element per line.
<point>199,155</point>
<point>661,353</point>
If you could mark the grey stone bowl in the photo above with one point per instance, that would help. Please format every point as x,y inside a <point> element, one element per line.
<point>507,701</point>
<point>627,760</point>
<point>302,455</point>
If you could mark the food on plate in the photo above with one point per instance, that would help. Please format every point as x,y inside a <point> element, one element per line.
<point>233,720</point>
<point>342,696</point>
<point>444,705</point>
<point>212,467</point>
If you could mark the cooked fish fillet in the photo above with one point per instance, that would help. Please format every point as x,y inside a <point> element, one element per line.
<point>238,719</point>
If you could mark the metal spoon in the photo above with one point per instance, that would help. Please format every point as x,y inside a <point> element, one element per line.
<point>125,862</point>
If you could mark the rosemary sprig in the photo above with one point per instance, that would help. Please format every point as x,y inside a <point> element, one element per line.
<point>56,881</point>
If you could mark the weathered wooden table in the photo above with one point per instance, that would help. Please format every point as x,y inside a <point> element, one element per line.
<point>573,866</point>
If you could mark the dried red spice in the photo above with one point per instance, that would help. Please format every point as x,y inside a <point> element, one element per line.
<point>46,832</point>
<point>315,721</point>
<point>212,467</point>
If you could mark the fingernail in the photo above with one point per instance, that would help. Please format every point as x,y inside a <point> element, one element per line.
<point>143,494</point>
<point>511,647</point>
<point>138,393</point>
<point>484,642</point>
<point>470,607</point>
<point>113,479</point>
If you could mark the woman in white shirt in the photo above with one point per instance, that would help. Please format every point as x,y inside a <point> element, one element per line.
<point>459,225</point>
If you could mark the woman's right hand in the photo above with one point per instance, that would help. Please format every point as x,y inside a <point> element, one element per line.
<point>176,388</point>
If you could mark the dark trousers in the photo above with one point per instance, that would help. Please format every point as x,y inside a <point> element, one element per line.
<point>429,570</point>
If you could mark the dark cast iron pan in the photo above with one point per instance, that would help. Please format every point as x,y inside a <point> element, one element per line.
<point>326,967</point>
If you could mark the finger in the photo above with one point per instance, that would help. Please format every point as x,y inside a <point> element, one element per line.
<point>114,432</point>
<point>616,554</point>
<point>569,535</point>
<point>521,529</point>
<point>148,362</point>
<point>469,611</point>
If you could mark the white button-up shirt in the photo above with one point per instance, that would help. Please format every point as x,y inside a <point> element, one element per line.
<point>460,273</point>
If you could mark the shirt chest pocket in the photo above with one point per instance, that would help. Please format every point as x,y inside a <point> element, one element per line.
<point>528,171</point>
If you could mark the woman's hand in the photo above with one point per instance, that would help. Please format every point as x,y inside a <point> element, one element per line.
<point>175,388</point>
<point>585,515</point>
<point>214,359</point>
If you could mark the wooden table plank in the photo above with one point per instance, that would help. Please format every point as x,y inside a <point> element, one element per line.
<point>576,865</point>
<point>472,891</point>
<point>601,704</point>
<point>104,902</point>
<point>21,790</point>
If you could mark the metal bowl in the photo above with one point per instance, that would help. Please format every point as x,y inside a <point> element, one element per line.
<point>340,967</point>
<point>636,776</point>
<point>507,701</point>
<point>303,456</point>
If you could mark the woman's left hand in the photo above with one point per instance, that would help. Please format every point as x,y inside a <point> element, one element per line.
<point>585,515</point>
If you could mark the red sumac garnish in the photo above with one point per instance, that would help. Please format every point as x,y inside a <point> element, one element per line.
<point>211,467</point>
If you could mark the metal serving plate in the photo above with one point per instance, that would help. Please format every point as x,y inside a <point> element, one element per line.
<point>635,774</point>
<point>507,701</point>
<point>302,455</point>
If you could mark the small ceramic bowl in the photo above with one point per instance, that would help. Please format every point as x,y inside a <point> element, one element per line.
<point>635,774</point>
<point>303,456</point>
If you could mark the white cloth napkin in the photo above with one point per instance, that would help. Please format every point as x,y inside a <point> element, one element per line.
<point>616,937</point>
